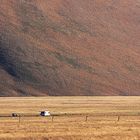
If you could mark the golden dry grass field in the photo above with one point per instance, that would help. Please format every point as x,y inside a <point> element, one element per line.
<point>101,123</point>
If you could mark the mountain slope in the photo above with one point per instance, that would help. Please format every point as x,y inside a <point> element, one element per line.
<point>68,47</point>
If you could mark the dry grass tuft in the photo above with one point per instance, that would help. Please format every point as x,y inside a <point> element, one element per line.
<point>71,127</point>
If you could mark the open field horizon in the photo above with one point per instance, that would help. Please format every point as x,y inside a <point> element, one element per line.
<point>71,127</point>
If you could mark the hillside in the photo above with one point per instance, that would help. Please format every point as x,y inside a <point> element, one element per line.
<point>69,47</point>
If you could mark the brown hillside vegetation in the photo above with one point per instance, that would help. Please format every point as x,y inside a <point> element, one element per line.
<point>69,47</point>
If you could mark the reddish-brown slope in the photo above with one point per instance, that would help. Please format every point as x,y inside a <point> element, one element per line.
<point>69,47</point>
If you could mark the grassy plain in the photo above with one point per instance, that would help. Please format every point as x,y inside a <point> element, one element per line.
<point>71,127</point>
